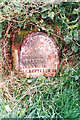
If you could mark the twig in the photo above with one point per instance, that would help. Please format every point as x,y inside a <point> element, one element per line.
<point>76,65</point>
<point>9,25</point>
<point>13,20</point>
<point>18,21</point>
<point>2,86</point>
<point>77,42</point>
<point>34,87</point>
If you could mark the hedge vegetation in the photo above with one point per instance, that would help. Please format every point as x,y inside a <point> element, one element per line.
<point>42,97</point>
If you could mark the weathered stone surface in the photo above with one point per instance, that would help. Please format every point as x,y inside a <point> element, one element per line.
<point>39,55</point>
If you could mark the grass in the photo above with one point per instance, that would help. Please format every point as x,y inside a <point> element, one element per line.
<point>42,97</point>
<point>52,97</point>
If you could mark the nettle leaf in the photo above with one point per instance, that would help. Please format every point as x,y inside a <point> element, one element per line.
<point>74,48</point>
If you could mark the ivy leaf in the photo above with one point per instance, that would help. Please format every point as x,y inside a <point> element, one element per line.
<point>45,14</point>
<point>1,1</point>
<point>20,24</point>
<point>0,100</point>
<point>0,35</point>
<point>8,35</point>
<point>7,108</point>
<point>51,14</point>
<point>0,30</point>
<point>76,77</point>
<point>74,48</point>
<point>48,33</point>
<point>67,39</point>
<point>44,8</point>
<point>76,11</point>
<point>5,9</point>
<point>55,5</point>
<point>9,18</point>
<point>43,24</point>
<point>2,19</point>
<point>11,13</point>
<point>0,27</point>
<point>76,35</point>
<point>30,14</point>
<point>15,4</point>
<point>0,13</point>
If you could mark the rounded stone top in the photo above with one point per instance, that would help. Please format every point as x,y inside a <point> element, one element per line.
<point>39,55</point>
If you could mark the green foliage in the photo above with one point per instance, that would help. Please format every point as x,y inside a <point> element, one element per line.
<point>52,97</point>
<point>43,97</point>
